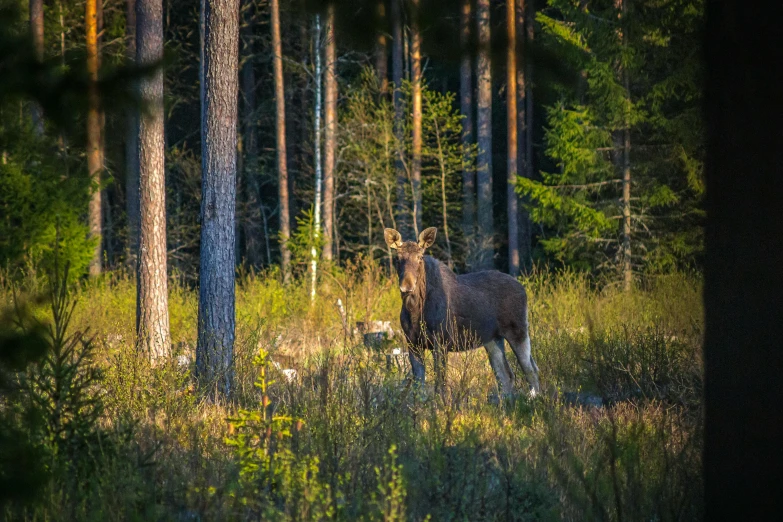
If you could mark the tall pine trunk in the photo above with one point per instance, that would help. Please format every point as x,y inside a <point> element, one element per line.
<point>625,162</point>
<point>524,30</point>
<point>484,120</point>
<point>399,116</point>
<point>466,107</point>
<point>131,144</point>
<point>37,32</point>
<point>282,165</point>
<point>219,78</point>
<point>330,133</point>
<point>381,47</point>
<point>316,159</point>
<point>152,314</point>
<point>511,122</point>
<point>416,99</point>
<point>94,141</point>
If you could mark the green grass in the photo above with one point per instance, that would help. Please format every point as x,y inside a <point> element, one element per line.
<point>352,440</point>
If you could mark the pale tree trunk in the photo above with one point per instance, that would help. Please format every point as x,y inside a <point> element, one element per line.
<point>316,159</point>
<point>131,144</point>
<point>524,9</point>
<point>94,142</point>
<point>330,134</point>
<point>399,116</point>
<point>416,99</point>
<point>484,120</point>
<point>282,166</point>
<point>511,124</point>
<point>252,195</point>
<point>37,32</point>
<point>466,107</point>
<point>152,314</point>
<point>625,238</point>
<point>219,78</point>
<point>381,48</point>
<point>443,201</point>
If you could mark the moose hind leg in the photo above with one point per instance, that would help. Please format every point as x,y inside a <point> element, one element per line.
<point>523,352</point>
<point>497,360</point>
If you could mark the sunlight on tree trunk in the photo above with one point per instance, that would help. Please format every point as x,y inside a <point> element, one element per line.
<point>94,141</point>
<point>416,99</point>
<point>330,133</point>
<point>317,160</point>
<point>511,122</point>
<point>484,120</point>
<point>381,48</point>
<point>466,107</point>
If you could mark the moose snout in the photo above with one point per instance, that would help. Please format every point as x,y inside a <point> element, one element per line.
<point>407,285</point>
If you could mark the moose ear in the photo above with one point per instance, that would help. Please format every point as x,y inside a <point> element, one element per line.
<point>427,237</point>
<point>392,237</point>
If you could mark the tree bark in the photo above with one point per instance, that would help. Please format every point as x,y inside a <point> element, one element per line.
<point>466,107</point>
<point>316,158</point>
<point>330,133</point>
<point>484,120</point>
<point>625,239</point>
<point>37,33</point>
<point>416,99</point>
<point>743,282</point>
<point>94,142</point>
<point>131,144</point>
<point>282,168</point>
<point>511,122</point>
<point>152,314</point>
<point>219,78</point>
<point>524,30</point>
<point>381,48</point>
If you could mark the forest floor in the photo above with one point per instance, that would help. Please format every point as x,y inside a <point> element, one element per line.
<point>349,438</point>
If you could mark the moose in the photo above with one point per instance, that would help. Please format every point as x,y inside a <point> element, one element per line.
<point>445,312</point>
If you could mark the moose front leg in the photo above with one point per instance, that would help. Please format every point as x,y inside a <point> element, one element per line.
<point>417,364</point>
<point>440,356</point>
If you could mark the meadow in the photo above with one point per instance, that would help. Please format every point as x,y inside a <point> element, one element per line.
<point>615,435</point>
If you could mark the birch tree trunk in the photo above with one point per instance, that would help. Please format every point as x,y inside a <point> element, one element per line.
<point>484,119</point>
<point>282,166</point>
<point>466,107</point>
<point>511,125</point>
<point>330,133</point>
<point>416,99</point>
<point>317,160</point>
<point>152,314</point>
<point>94,142</point>
<point>37,33</point>
<point>131,145</point>
<point>219,78</point>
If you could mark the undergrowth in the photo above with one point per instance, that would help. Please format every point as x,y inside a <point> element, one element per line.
<point>350,438</point>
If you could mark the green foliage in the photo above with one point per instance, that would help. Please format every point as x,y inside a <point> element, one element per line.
<point>639,70</point>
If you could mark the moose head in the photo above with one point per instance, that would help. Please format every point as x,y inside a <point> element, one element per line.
<point>410,256</point>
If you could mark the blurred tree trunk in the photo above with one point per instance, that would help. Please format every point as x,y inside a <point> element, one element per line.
<point>416,99</point>
<point>152,314</point>
<point>624,137</point>
<point>402,220</point>
<point>382,48</point>
<point>484,120</point>
<point>524,30</point>
<point>94,141</point>
<point>37,32</point>
<point>466,107</point>
<point>282,167</point>
<point>511,121</point>
<point>330,133</point>
<point>252,212</point>
<point>131,144</point>
<point>743,281</point>
<point>219,79</point>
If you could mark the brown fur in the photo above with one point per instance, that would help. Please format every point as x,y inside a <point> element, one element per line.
<point>444,312</point>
